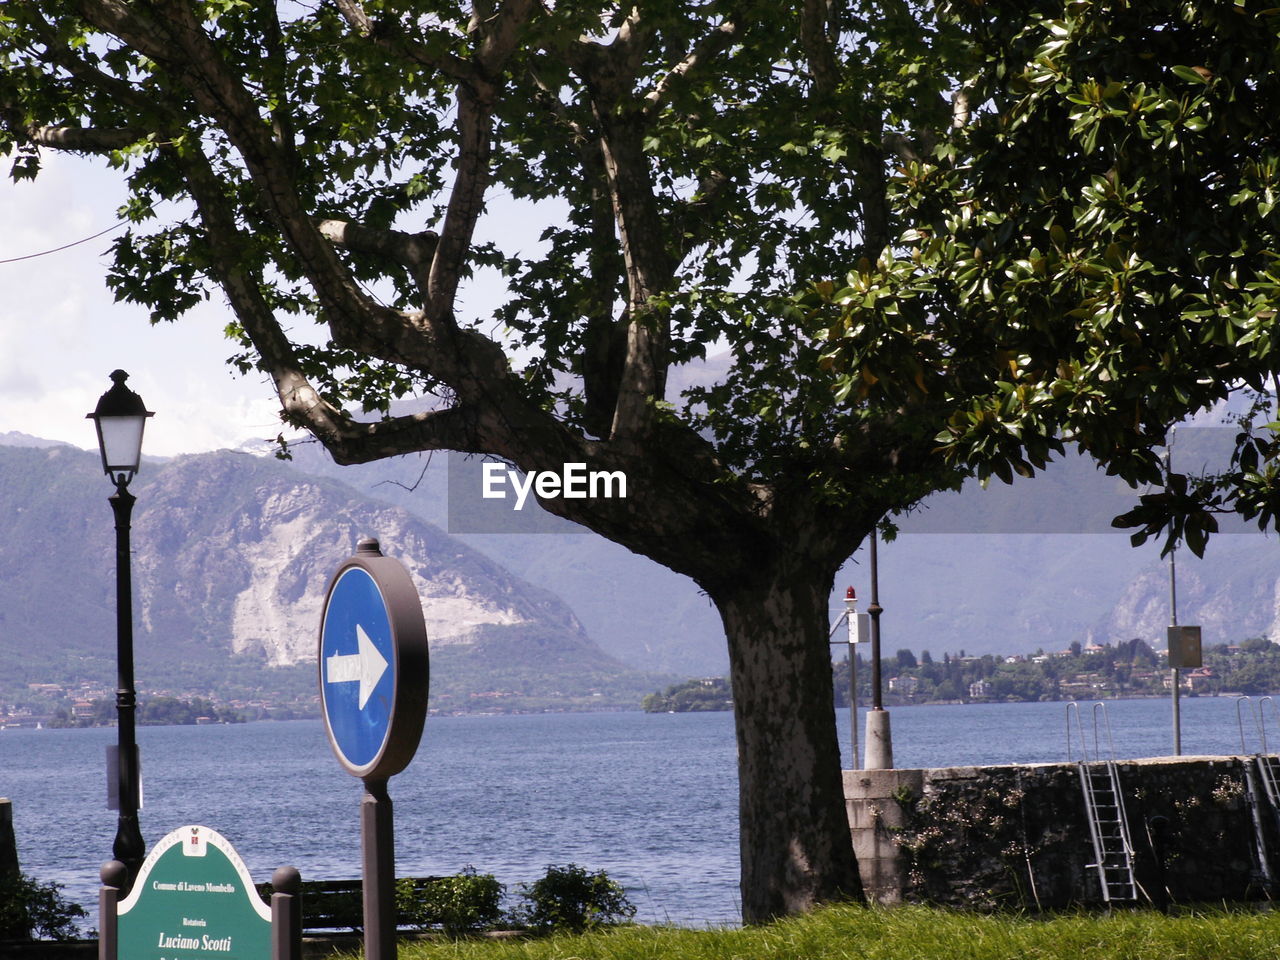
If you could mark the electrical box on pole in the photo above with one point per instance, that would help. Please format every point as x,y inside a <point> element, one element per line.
<point>1184,647</point>
<point>860,627</point>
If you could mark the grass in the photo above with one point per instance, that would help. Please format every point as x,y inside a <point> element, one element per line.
<point>906,933</point>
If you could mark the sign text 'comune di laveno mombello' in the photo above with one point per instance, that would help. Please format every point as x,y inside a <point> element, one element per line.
<point>573,482</point>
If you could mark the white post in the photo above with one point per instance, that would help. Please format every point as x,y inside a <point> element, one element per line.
<point>851,619</point>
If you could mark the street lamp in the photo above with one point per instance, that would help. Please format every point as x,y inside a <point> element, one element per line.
<point>879,738</point>
<point>120,417</point>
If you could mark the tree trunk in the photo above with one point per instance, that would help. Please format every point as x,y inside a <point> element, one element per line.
<point>795,842</point>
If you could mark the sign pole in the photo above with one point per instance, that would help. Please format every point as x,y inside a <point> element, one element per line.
<point>373,667</point>
<point>377,843</point>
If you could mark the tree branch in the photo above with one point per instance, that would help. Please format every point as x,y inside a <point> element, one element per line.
<point>393,39</point>
<point>348,440</point>
<point>277,81</point>
<point>466,202</point>
<point>75,138</point>
<point>355,15</point>
<point>628,48</point>
<point>708,48</point>
<point>412,250</point>
<point>960,107</point>
<point>902,147</point>
<point>189,55</point>
<point>819,47</point>
<point>449,428</point>
<point>502,33</point>
<point>85,139</point>
<point>301,403</point>
<point>476,96</point>
<point>609,75</point>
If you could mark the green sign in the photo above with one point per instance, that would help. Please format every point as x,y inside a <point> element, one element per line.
<point>194,900</point>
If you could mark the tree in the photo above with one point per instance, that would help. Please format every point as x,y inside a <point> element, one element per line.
<point>1058,218</point>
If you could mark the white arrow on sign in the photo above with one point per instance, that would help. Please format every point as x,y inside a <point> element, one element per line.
<point>367,666</point>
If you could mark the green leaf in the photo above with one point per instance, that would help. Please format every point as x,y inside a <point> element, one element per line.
<point>1190,74</point>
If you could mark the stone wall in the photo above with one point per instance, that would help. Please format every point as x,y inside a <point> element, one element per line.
<point>1017,837</point>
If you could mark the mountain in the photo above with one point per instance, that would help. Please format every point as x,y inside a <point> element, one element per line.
<point>232,554</point>
<point>15,438</point>
<point>1234,594</point>
<point>638,611</point>
<point>1007,569</point>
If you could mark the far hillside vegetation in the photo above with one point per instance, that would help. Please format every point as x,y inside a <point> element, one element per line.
<point>1130,668</point>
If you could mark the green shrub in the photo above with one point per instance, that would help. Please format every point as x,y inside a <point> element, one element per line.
<point>460,904</point>
<point>30,909</point>
<point>569,898</point>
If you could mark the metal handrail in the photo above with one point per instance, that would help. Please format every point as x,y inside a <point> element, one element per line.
<point>1258,709</point>
<point>1074,708</point>
<point>1262,718</point>
<point>1106,722</point>
<point>1240,701</point>
<point>1084,747</point>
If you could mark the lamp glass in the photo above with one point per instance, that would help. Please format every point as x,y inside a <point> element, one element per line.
<point>120,439</point>
<point>119,417</point>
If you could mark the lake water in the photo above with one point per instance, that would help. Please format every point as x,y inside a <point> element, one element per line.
<point>651,798</point>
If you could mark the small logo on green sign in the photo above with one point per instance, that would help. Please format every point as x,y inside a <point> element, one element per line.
<point>194,900</point>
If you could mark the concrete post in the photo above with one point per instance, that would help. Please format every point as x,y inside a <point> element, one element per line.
<point>879,741</point>
<point>114,875</point>
<point>286,914</point>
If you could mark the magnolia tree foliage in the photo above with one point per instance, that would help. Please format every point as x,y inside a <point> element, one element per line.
<point>916,241</point>
<point>1091,255</point>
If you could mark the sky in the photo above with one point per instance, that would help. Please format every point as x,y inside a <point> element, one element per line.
<point>62,333</point>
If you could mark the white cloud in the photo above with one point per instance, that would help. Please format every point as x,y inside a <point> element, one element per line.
<point>61,332</point>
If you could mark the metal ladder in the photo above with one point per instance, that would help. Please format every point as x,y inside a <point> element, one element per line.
<point>1264,770</point>
<point>1266,764</point>
<point>1104,809</point>
<point>1268,772</point>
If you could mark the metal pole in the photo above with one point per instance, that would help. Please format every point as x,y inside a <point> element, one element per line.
<point>1173,622</point>
<point>874,609</point>
<point>128,848</point>
<point>377,843</point>
<point>879,737</point>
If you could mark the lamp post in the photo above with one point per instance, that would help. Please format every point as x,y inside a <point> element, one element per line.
<point>1175,656</point>
<point>120,417</point>
<point>879,737</point>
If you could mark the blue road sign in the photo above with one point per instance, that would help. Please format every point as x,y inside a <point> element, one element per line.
<point>373,664</point>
